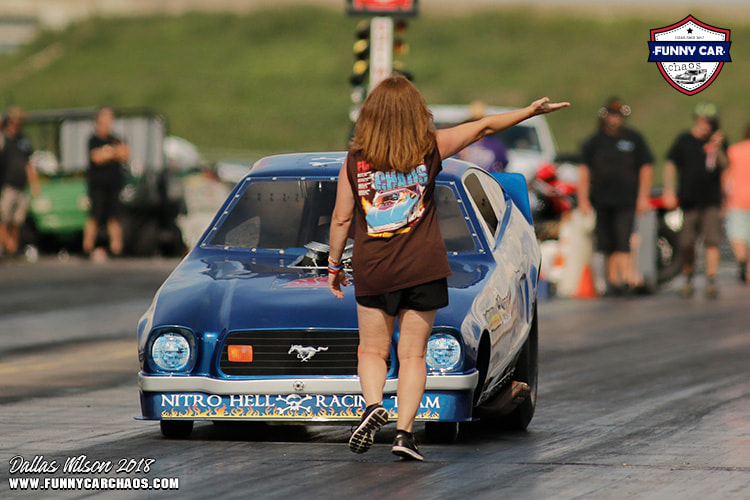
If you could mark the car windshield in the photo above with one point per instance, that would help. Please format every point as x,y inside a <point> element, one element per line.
<point>291,214</point>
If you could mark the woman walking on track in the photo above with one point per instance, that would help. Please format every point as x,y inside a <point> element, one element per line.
<point>400,265</point>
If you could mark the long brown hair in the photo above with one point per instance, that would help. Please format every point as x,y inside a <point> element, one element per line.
<point>394,130</point>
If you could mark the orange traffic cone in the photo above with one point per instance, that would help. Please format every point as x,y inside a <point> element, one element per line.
<point>559,260</point>
<point>586,289</point>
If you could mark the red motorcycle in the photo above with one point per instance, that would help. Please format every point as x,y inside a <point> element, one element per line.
<point>552,194</point>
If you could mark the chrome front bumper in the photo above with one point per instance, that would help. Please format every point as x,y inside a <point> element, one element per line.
<point>180,383</point>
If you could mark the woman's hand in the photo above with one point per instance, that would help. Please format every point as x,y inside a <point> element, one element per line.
<point>543,106</point>
<point>335,282</point>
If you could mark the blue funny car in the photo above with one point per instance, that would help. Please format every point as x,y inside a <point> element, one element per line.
<point>245,327</point>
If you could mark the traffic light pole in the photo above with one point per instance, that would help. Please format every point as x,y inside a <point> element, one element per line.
<point>373,50</point>
<point>381,50</point>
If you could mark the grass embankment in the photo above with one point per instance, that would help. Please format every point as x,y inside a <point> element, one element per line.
<point>276,80</point>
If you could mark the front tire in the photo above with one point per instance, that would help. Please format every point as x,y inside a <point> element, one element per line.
<point>527,370</point>
<point>176,429</point>
<point>441,432</point>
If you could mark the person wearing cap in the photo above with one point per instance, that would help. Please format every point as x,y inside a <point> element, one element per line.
<point>615,179</point>
<point>697,159</point>
<point>18,173</point>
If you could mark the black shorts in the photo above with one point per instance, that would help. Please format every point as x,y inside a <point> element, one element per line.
<point>613,229</point>
<point>105,202</point>
<point>425,297</point>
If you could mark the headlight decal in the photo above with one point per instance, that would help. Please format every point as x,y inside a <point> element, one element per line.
<point>171,350</point>
<point>444,353</point>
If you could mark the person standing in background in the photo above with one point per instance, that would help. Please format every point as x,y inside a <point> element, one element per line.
<point>615,182</point>
<point>737,187</point>
<point>3,230</point>
<point>698,157</point>
<point>105,176</point>
<point>18,173</point>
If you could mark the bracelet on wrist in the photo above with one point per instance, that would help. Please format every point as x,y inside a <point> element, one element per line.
<point>333,270</point>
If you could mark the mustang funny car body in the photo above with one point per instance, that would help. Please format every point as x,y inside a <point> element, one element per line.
<point>245,327</point>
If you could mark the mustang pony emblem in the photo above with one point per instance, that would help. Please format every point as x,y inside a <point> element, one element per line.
<point>305,353</point>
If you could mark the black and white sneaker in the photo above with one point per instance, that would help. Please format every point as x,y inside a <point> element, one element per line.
<point>405,446</point>
<point>374,417</point>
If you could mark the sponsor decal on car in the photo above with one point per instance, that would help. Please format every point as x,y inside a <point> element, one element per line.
<point>689,53</point>
<point>283,407</point>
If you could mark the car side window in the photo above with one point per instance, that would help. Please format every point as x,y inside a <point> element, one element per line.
<point>489,199</point>
<point>456,233</point>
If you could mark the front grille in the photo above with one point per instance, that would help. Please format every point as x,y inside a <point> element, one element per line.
<point>336,353</point>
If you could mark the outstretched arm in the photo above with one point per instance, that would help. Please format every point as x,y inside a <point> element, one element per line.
<point>452,140</point>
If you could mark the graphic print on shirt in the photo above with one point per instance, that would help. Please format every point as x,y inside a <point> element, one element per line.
<point>392,201</point>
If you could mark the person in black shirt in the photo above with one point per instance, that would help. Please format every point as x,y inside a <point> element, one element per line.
<point>18,172</point>
<point>698,157</point>
<point>105,176</point>
<point>615,182</point>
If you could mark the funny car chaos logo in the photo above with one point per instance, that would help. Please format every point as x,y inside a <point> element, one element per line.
<point>689,54</point>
